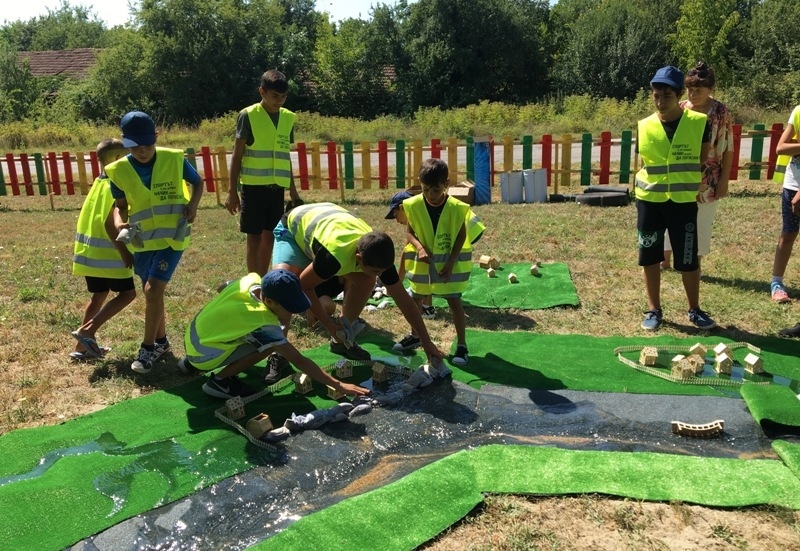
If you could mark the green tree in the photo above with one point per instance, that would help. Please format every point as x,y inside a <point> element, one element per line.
<point>19,91</point>
<point>464,51</point>
<point>614,47</point>
<point>66,28</point>
<point>705,31</point>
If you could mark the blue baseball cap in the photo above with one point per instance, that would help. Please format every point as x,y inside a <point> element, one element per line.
<point>137,129</point>
<point>283,287</point>
<point>669,75</point>
<point>397,200</point>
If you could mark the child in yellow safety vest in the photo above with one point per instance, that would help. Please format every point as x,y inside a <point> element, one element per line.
<point>475,229</point>
<point>156,207</point>
<point>105,262</point>
<point>673,144</point>
<point>242,326</point>
<point>438,259</point>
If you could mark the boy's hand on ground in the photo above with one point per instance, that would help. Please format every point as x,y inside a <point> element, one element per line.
<point>353,390</point>
<point>434,354</point>
<point>232,203</point>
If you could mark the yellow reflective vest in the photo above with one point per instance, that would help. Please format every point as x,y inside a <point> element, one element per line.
<point>783,161</point>
<point>267,161</point>
<point>94,254</point>
<point>224,323</point>
<point>672,170</point>
<point>158,210</point>
<point>424,277</point>
<point>335,228</point>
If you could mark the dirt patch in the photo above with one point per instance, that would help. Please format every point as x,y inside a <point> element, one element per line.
<point>598,523</point>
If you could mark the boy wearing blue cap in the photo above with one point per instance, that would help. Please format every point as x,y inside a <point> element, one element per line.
<point>673,144</point>
<point>242,326</point>
<point>155,208</point>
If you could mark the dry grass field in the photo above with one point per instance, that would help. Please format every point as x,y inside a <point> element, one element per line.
<point>41,302</point>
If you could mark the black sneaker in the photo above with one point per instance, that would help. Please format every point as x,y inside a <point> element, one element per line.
<point>701,319</point>
<point>161,349</point>
<point>277,365</point>
<point>409,342</point>
<point>461,356</point>
<point>428,312</point>
<point>227,388</point>
<point>186,367</point>
<point>790,331</point>
<point>354,352</point>
<point>144,360</point>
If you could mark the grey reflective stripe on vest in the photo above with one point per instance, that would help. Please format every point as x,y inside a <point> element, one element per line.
<point>462,256</point>
<point>264,172</point>
<point>210,353</point>
<point>96,242</point>
<point>170,208</point>
<point>433,277</point>
<point>262,154</point>
<point>312,225</point>
<point>667,188</point>
<point>780,169</point>
<point>95,263</point>
<point>164,233</point>
<point>677,167</point>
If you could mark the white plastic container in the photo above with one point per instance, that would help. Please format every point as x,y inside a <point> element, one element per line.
<point>511,187</point>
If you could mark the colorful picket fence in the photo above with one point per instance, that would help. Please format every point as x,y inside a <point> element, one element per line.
<point>333,166</point>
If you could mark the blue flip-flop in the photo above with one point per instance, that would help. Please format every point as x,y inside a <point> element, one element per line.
<point>92,348</point>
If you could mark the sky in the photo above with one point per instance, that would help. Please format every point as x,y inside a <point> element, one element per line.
<point>115,12</point>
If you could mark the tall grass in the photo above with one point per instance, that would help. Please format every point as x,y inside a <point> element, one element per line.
<point>555,115</point>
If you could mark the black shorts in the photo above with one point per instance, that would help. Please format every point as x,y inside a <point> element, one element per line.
<point>262,208</point>
<point>330,287</point>
<point>681,221</point>
<point>106,284</point>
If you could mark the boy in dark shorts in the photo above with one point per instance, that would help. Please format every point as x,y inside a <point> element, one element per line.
<point>106,263</point>
<point>673,144</point>
<point>262,164</point>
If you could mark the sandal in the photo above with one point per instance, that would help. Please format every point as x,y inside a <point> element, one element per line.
<point>92,349</point>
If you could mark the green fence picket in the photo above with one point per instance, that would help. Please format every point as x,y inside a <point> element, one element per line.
<point>2,181</point>
<point>470,160</point>
<point>527,152</point>
<point>756,152</point>
<point>586,159</point>
<point>40,177</point>
<point>349,171</point>
<point>625,157</point>
<point>400,164</point>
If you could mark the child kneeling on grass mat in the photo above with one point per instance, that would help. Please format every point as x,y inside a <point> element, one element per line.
<point>241,326</point>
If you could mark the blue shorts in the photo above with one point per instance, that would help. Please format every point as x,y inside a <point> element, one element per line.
<point>791,222</point>
<point>156,264</point>
<point>286,250</point>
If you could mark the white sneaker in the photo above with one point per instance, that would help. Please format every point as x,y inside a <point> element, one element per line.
<point>144,362</point>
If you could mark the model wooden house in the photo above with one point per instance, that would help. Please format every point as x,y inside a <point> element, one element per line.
<point>259,425</point>
<point>379,372</point>
<point>344,369</point>
<point>753,364</point>
<point>723,363</point>
<point>648,355</point>
<point>302,383</point>
<point>235,407</point>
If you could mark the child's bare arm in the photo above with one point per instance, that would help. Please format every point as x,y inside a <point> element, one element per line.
<point>787,144</point>
<point>120,213</point>
<point>232,202</point>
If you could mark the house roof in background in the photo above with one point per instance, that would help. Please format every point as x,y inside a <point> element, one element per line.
<point>50,63</point>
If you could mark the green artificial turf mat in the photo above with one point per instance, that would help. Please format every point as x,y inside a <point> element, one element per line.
<point>102,468</point>
<point>434,497</point>
<point>777,408</point>
<point>554,287</point>
<point>580,362</point>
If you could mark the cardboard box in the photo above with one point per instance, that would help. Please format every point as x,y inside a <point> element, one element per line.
<point>463,191</point>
